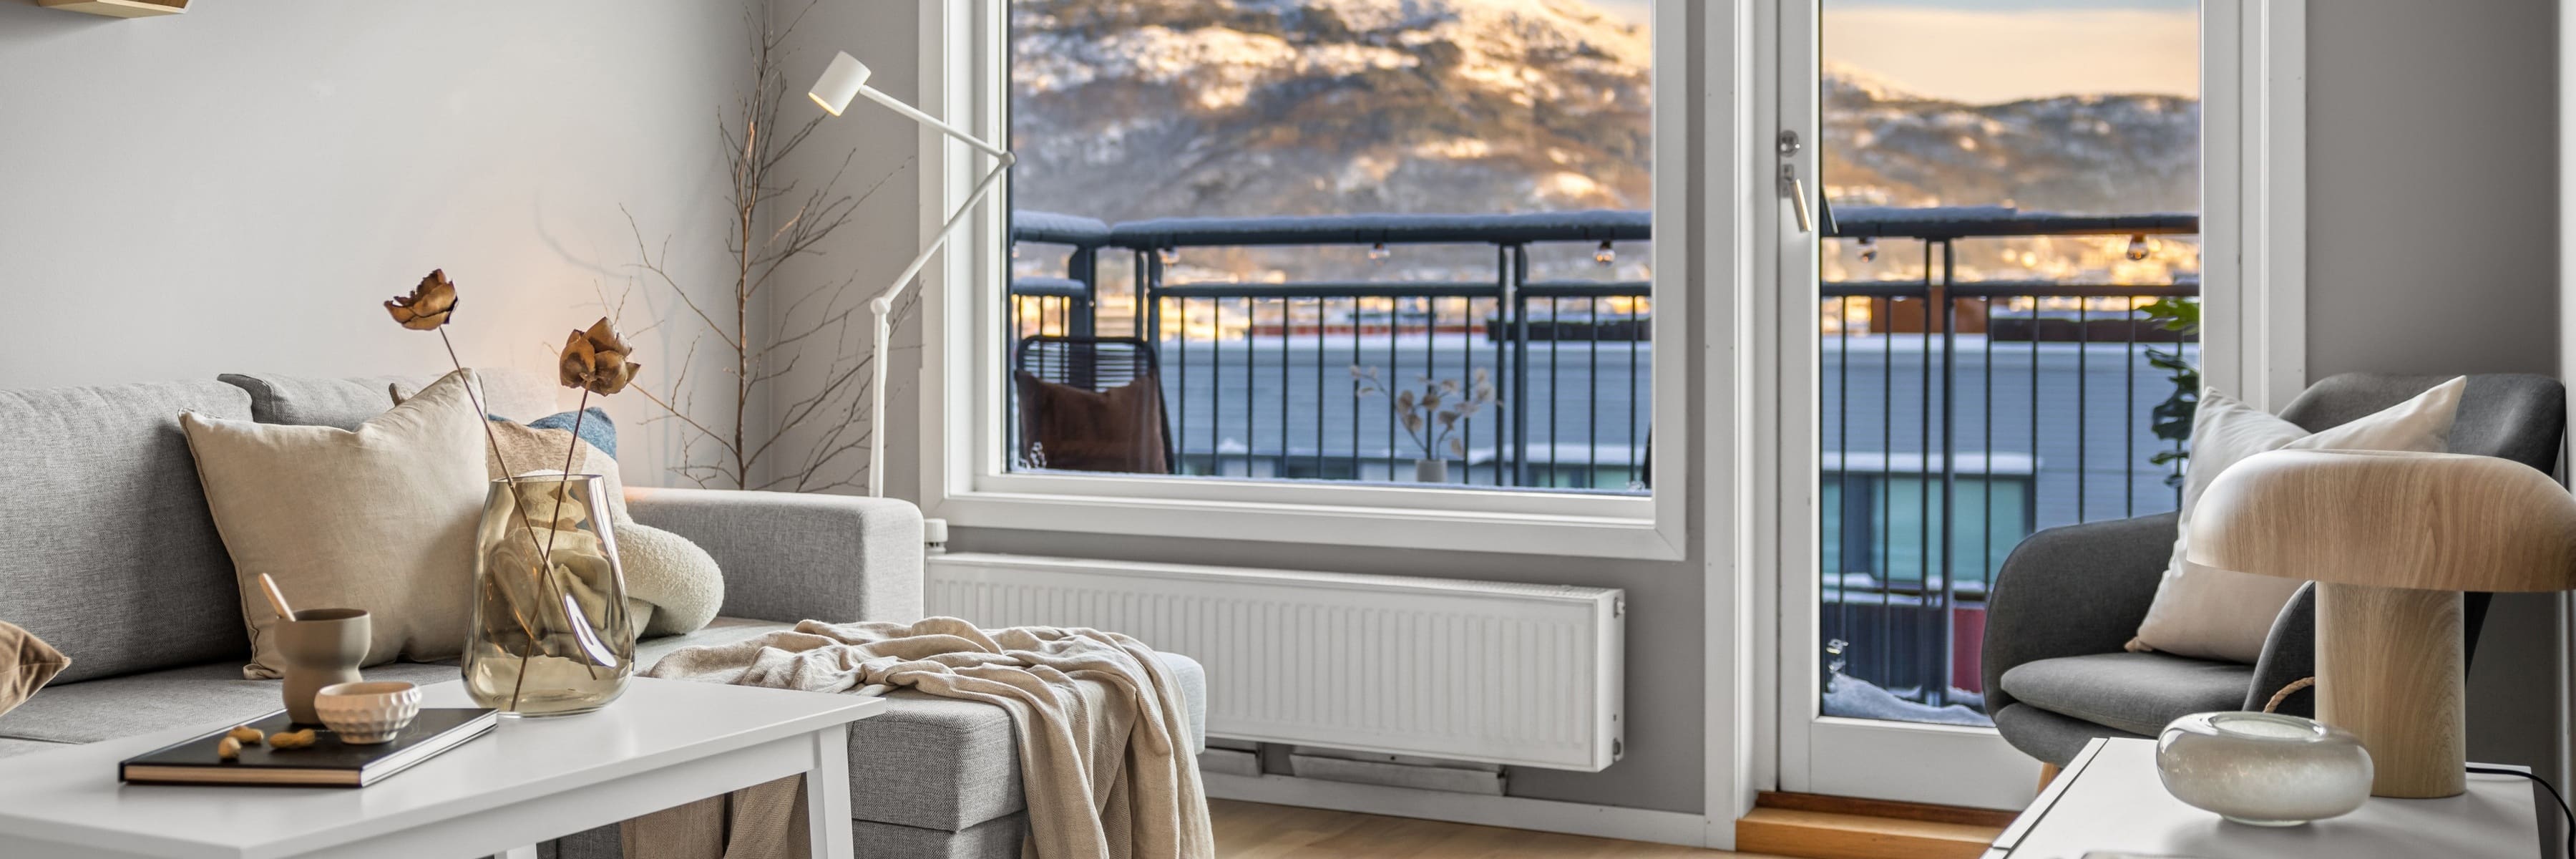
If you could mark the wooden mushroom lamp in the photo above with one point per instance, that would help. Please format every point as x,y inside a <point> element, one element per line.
<point>2391,539</point>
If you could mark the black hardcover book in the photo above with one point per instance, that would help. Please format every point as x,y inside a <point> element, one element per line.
<point>326,763</point>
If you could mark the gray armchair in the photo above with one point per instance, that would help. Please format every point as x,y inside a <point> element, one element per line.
<point>2068,598</point>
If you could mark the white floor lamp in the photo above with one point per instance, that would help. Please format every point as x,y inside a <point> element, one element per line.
<point>844,79</point>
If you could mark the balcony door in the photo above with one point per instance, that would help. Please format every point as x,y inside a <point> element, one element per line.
<point>1990,283</point>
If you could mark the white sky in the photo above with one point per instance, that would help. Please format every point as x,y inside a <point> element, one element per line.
<point>1988,55</point>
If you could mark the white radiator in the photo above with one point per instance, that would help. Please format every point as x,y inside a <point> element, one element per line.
<point>1528,675</point>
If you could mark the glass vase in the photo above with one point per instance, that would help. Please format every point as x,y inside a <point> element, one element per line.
<point>551,634</point>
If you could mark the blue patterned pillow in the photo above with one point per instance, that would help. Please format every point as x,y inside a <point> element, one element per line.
<point>596,428</point>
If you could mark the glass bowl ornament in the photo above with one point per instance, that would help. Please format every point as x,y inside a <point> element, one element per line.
<point>2264,769</point>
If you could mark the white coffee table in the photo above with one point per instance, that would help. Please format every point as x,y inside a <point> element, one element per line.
<point>664,743</point>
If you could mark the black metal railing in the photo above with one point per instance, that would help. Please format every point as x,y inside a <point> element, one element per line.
<point>1956,415</point>
<point>1258,376</point>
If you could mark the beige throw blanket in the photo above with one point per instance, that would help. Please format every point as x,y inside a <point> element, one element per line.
<point>1103,734</point>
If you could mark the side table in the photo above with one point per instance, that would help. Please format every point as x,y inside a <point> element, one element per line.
<point>2110,801</point>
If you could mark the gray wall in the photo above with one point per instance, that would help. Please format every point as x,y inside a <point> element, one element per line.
<point>239,188</point>
<point>2433,247</point>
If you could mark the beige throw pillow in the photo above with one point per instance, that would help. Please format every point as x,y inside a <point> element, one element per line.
<point>26,663</point>
<point>2211,613</point>
<point>381,518</point>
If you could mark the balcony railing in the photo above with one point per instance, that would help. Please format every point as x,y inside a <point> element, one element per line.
<point>1258,379</point>
<point>1956,416</point>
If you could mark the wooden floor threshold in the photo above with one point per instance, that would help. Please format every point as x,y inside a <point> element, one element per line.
<point>1816,827</point>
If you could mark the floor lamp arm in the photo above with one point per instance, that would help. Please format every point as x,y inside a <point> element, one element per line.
<point>882,308</point>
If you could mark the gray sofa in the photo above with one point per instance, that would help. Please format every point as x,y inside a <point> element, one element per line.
<point>108,553</point>
<point>2069,597</point>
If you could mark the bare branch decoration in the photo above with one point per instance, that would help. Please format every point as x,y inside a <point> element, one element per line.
<point>794,354</point>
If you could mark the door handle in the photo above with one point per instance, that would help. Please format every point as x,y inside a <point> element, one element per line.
<point>1789,184</point>
<point>1797,192</point>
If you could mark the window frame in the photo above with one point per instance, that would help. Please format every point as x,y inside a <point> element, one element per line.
<point>963,477</point>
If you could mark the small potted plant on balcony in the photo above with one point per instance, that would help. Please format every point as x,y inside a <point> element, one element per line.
<point>1432,414</point>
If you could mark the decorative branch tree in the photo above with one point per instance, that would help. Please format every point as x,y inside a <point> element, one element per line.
<point>803,349</point>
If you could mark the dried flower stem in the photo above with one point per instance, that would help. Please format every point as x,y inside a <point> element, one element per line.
<point>545,572</point>
<point>481,415</point>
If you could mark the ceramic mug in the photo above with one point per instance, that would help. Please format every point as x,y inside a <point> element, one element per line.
<point>322,647</point>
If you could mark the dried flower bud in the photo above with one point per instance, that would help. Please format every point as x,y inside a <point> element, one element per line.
<point>429,304</point>
<point>596,360</point>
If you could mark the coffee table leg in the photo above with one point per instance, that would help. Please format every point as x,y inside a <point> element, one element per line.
<point>827,794</point>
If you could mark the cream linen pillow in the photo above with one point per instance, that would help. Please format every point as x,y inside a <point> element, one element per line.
<point>2211,613</point>
<point>380,518</point>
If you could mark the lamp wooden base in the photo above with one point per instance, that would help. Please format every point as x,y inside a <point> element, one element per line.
<point>2389,670</point>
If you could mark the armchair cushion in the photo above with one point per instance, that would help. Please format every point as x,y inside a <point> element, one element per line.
<point>2071,591</point>
<point>2133,692</point>
<point>2051,737</point>
<point>2223,614</point>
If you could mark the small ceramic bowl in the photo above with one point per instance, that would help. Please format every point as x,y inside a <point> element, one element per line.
<point>367,713</point>
<point>2265,769</point>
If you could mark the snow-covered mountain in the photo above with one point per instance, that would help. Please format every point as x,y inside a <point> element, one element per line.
<point>2078,153</point>
<point>1128,109</point>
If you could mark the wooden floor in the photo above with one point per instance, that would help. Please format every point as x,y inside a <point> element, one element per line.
<point>1247,830</point>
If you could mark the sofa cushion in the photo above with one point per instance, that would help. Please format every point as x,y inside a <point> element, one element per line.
<point>198,695</point>
<point>2134,692</point>
<point>10,748</point>
<point>108,552</point>
<point>345,403</point>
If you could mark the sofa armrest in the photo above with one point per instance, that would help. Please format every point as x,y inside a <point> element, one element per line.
<point>790,556</point>
<point>2071,591</point>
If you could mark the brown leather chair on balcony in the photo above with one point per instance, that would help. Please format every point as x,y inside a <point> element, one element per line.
<point>2068,598</point>
<point>1090,404</point>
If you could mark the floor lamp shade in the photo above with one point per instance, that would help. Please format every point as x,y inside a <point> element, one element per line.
<point>2391,539</point>
<point>840,82</point>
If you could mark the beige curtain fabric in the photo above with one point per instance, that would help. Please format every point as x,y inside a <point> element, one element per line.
<point>1103,734</point>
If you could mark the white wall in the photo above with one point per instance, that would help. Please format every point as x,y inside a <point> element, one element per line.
<point>2433,247</point>
<point>239,188</point>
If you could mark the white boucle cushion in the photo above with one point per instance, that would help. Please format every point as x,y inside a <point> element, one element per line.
<point>2210,613</point>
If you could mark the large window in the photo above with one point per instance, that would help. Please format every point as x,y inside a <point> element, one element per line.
<point>1353,243</point>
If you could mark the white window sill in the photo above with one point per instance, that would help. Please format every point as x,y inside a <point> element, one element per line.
<point>1462,520</point>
